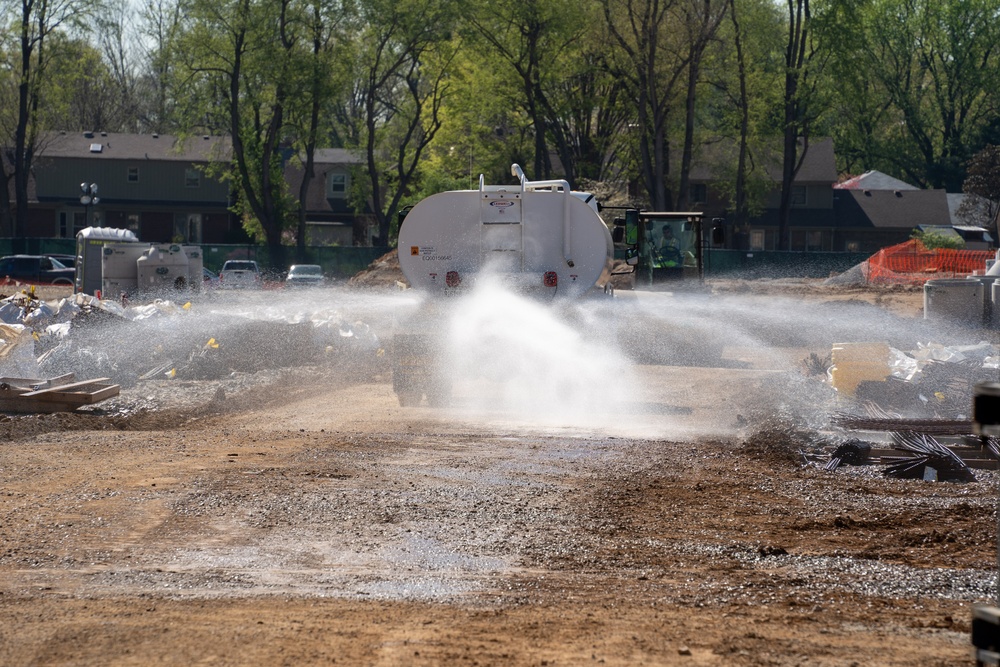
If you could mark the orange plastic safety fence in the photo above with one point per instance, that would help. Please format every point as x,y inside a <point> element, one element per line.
<point>912,263</point>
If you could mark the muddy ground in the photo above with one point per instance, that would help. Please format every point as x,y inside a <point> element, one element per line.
<point>299,516</point>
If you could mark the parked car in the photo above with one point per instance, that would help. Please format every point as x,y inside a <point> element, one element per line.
<point>65,260</point>
<point>37,269</point>
<point>240,274</point>
<point>209,278</point>
<point>304,275</point>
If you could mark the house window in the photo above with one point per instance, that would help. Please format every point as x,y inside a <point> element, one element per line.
<point>79,222</point>
<point>336,185</point>
<point>698,193</point>
<point>132,223</point>
<point>852,246</point>
<point>194,228</point>
<point>64,225</point>
<point>798,195</point>
<point>814,240</point>
<point>192,178</point>
<point>757,239</point>
<point>133,174</point>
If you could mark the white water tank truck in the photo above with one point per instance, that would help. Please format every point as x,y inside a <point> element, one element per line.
<point>536,237</point>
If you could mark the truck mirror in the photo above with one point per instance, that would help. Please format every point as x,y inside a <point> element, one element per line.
<point>618,234</point>
<point>632,226</point>
<point>401,215</point>
<point>718,235</point>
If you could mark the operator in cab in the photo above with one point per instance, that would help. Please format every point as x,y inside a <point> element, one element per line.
<point>670,249</point>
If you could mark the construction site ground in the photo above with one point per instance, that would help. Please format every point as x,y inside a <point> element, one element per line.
<point>291,517</point>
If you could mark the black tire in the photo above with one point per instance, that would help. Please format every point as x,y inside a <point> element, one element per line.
<point>408,398</point>
<point>62,281</point>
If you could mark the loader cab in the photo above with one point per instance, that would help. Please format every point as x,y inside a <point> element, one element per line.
<point>662,247</point>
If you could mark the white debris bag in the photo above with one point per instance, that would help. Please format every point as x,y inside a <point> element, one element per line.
<point>17,352</point>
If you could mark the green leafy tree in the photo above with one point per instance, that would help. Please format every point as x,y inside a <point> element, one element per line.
<point>317,86</point>
<point>920,82</point>
<point>550,72</point>
<point>241,58</point>
<point>700,21</point>
<point>402,54</point>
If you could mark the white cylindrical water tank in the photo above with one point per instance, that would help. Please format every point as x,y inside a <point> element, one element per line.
<point>954,301</point>
<point>196,262</point>
<point>118,268</point>
<point>162,268</point>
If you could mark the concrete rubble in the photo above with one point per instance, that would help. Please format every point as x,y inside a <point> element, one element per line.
<point>90,337</point>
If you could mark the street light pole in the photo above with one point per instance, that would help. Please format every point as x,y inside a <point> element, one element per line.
<point>88,198</point>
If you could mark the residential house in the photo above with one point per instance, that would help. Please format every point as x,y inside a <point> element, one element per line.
<point>160,187</point>
<point>861,214</point>
<point>812,224</point>
<point>330,217</point>
<point>154,185</point>
<point>874,219</point>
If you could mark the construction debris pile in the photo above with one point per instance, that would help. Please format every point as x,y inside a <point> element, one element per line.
<point>917,407</point>
<point>93,338</point>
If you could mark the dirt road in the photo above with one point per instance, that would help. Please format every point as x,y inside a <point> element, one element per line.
<point>301,520</point>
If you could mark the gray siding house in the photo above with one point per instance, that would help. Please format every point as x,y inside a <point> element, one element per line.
<point>154,185</point>
<point>158,187</point>
<point>861,214</point>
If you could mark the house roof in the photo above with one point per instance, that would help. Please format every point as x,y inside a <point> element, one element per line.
<point>336,156</point>
<point>121,146</point>
<point>891,209</point>
<point>874,180</point>
<point>818,166</point>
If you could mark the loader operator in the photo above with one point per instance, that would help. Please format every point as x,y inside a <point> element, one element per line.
<point>670,249</point>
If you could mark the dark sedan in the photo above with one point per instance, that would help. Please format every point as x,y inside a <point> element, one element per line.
<point>35,269</point>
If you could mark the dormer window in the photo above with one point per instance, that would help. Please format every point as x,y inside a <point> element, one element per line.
<point>192,178</point>
<point>133,174</point>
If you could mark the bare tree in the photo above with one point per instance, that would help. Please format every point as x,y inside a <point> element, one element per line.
<point>982,189</point>
<point>701,22</point>
<point>37,21</point>
<point>400,95</point>
<point>159,24</point>
<point>650,68</point>
<point>795,127</point>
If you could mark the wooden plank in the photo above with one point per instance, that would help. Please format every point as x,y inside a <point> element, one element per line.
<point>68,387</point>
<point>34,406</point>
<point>103,394</point>
<point>77,398</point>
<point>37,382</point>
<point>61,398</point>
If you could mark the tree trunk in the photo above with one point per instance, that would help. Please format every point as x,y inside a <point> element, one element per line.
<point>740,205</point>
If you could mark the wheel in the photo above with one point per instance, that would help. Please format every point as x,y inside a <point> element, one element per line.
<point>439,393</point>
<point>62,281</point>
<point>408,398</point>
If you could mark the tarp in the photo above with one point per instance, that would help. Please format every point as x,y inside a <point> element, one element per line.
<point>913,264</point>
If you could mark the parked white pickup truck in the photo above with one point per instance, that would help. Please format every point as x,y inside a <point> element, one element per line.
<point>240,274</point>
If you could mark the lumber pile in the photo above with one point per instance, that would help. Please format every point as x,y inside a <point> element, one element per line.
<point>59,394</point>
